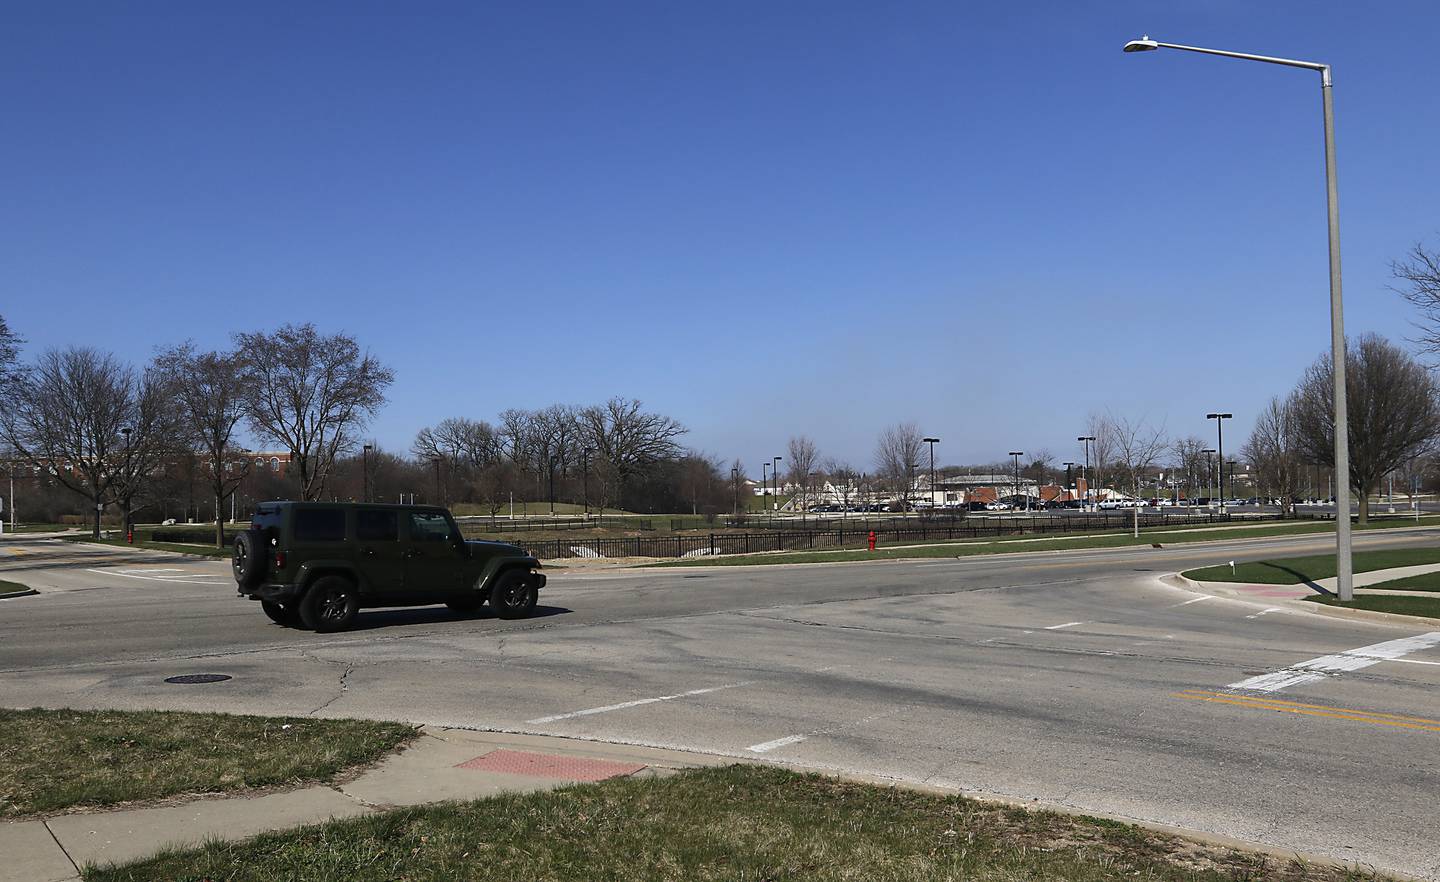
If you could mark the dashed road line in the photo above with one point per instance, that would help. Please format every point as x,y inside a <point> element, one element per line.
<point>1266,612</point>
<point>1349,660</point>
<point>767,746</point>
<point>1196,600</point>
<point>636,703</point>
<point>1066,625</point>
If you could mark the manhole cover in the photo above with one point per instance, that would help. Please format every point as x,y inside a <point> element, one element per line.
<point>197,678</point>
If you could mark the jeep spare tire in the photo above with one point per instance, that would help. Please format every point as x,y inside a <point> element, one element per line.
<point>248,559</point>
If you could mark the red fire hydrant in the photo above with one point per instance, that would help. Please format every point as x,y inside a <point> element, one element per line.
<point>130,536</point>
<point>872,540</point>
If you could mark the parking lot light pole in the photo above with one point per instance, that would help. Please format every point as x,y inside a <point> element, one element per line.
<point>1085,473</point>
<point>1344,566</point>
<point>932,442</point>
<point>1069,476</point>
<point>436,460</point>
<point>1220,419</point>
<point>1017,454</point>
<point>765,488</point>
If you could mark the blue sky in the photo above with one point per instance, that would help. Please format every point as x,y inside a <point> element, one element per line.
<point>761,218</point>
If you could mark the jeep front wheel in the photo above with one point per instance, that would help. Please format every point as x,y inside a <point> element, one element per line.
<point>514,596</point>
<point>330,604</point>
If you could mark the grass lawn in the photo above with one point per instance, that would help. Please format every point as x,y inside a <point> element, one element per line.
<point>1294,570</point>
<point>1405,606</point>
<point>52,760</point>
<point>748,823</point>
<point>38,528</point>
<point>141,542</point>
<point>1424,582</point>
<point>1011,544</point>
<point>8,587</point>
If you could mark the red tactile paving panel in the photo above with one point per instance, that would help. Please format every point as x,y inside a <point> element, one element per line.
<point>546,765</point>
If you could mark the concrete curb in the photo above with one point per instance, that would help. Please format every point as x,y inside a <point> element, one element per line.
<point>1177,580</point>
<point>10,595</point>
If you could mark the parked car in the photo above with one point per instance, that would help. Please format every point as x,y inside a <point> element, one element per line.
<point>316,564</point>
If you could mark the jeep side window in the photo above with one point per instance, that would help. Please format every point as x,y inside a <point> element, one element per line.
<point>377,526</point>
<point>320,525</point>
<point>429,527</point>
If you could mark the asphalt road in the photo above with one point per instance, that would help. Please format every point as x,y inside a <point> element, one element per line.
<point>1077,679</point>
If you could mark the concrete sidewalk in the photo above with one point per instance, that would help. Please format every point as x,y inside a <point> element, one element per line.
<point>442,764</point>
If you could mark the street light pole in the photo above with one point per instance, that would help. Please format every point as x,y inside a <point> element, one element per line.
<point>365,472</point>
<point>1085,473</point>
<point>1069,476</point>
<point>1209,470</point>
<point>775,476</point>
<point>734,492</point>
<point>129,480</point>
<point>585,478</point>
<point>1220,419</point>
<point>1344,566</point>
<point>1017,454</point>
<point>438,500</point>
<point>765,488</point>
<point>932,442</point>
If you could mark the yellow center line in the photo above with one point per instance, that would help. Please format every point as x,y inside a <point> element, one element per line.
<point>1314,710</point>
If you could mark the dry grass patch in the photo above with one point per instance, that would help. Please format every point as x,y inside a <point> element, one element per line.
<point>736,823</point>
<point>54,760</point>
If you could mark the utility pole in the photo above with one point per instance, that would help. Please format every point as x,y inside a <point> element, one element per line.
<point>1017,454</point>
<point>1085,472</point>
<point>932,442</point>
<point>1220,419</point>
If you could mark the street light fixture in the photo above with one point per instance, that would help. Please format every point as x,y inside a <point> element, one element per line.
<point>1085,472</point>
<point>1344,568</point>
<point>1220,419</point>
<point>1017,454</point>
<point>932,442</point>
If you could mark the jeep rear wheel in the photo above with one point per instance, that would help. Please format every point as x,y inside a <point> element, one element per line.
<point>514,595</point>
<point>330,604</point>
<point>281,613</point>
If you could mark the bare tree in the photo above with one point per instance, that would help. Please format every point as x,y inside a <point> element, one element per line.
<point>207,388</point>
<point>1137,446</point>
<point>312,393</point>
<point>9,359</point>
<point>1190,459</point>
<point>627,442</point>
<point>458,440</point>
<point>1102,449</point>
<point>1274,449</point>
<point>897,459</point>
<point>65,417</point>
<point>803,458</point>
<point>1393,412</point>
<point>1419,274</point>
<point>737,488</point>
<point>1040,466</point>
<point>843,478</point>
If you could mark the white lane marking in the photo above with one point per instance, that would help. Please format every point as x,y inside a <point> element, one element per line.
<point>205,581</point>
<point>636,703</point>
<point>1066,625</point>
<point>1197,600</point>
<point>767,746</point>
<point>1349,660</point>
<point>1413,661</point>
<point>1266,611</point>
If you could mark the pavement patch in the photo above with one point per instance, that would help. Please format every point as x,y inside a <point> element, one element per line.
<point>549,765</point>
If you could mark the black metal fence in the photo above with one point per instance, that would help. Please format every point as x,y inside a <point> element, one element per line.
<point>472,525</point>
<point>858,532</point>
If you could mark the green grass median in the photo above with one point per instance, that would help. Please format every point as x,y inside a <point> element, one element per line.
<point>1405,606</point>
<point>1423,582</point>
<point>1294,570</point>
<point>734,823</point>
<point>12,587</point>
<point>53,760</point>
<point>1172,535</point>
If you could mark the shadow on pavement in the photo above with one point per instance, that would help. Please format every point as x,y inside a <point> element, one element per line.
<point>370,619</point>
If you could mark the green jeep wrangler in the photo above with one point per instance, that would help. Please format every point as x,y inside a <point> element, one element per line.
<point>317,563</point>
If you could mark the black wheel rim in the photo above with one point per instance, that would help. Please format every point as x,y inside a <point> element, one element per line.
<point>334,605</point>
<point>517,595</point>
